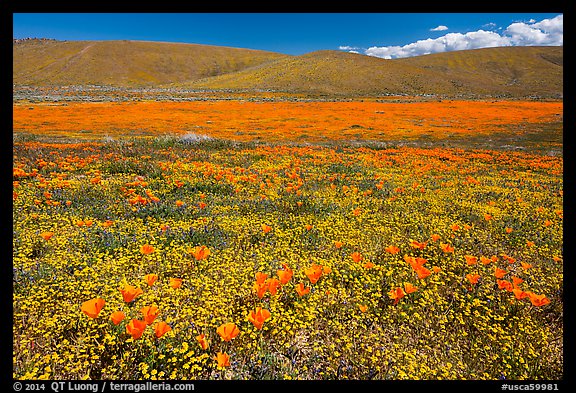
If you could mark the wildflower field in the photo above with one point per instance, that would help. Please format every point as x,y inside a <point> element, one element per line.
<point>247,251</point>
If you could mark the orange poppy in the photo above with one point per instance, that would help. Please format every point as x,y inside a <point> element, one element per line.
<point>175,283</point>
<point>396,294</point>
<point>179,203</point>
<point>338,244</point>
<point>525,265</point>
<point>150,313</point>
<point>436,269</point>
<point>200,252</point>
<point>471,260</point>
<point>455,227</point>
<point>416,263</point>
<point>422,272</point>
<point>202,205</point>
<point>485,261</point>
<point>529,243</point>
<point>508,230</point>
<point>92,307</point>
<point>228,331</point>
<point>313,273</point>
<point>46,235</point>
<point>258,317</point>
<point>261,277</point>
<point>146,249</point>
<point>285,275</point>
<point>547,223</point>
<point>356,256</point>
<point>260,289</point>
<point>487,217</point>
<point>308,227</point>
<point>301,290</point>
<point>435,237</point>
<point>357,211</point>
<point>503,284</point>
<point>416,244</point>
<point>107,223</point>
<point>150,279</point>
<point>201,338</point>
<point>556,259</point>
<point>520,294</point>
<point>161,328</point>
<point>136,328</point>
<point>538,300</point>
<point>392,249</point>
<point>117,316</point>
<point>129,293</point>
<point>223,359</point>
<point>499,273</point>
<point>368,265</point>
<point>473,278</point>
<point>517,281</point>
<point>266,228</point>
<point>409,288</point>
<point>272,285</point>
<point>88,223</point>
<point>363,307</point>
<point>446,248</point>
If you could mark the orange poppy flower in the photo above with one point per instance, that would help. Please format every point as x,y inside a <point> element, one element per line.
<point>136,328</point>
<point>313,273</point>
<point>308,227</point>
<point>499,273</point>
<point>473,278</point>
<point>266,228</point>
<point>396,294</point>
<point>525,265</point>
<point>363,307</point>
<point>88,223</point>
<point>258,317</point>
<point>455,227</point>
<point>416,263</point>
<point>409,288</point>
<point>201,338</point>
<point>338,244</point>
<point>529,243</point>
<point>107,223</point>
<point>422,272</point>
<point>228,331</point>
<point>223,359</point>
<point>261,277</point>
<point>92,307</point>
<point>368,265</point>
<point>150,279</point>
<point>517,281</point>
<point>301,290</point>
<point>357,211</point>
<point>260,289</point>
<point>538,300</point>
<point>179,203</point>
<point>146,249</point>
<point>200,252</point>
<point>129,293</point>
<point>435,237</point>
<point>503,284</point>
<point>202,205</point>
<point>416,244</point>
<point>446,248</point>
<point>150,313</point>
<point>285,275</point>
<point>556,259</point>
<point>487,217</point>
<point>117,316</point>
<point>494,258</point>
<point>547,223</point>
<point>161,328</point>
<point>392,249</point>
<point>175,282</point>
<point>520,294</point>
<point>272,285</point>
<point>356,256</point>
<point>508,230</point>
<point>485,261</point>
<point>470,260</point>
<point>436,269</point>
<point>46,235</point>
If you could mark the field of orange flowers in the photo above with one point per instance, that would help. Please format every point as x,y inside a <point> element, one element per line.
<point>223,258</point>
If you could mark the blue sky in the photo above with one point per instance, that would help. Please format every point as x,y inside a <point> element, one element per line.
<point>387,35</point>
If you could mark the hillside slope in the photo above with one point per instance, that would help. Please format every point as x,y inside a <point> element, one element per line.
<point>125,63</point>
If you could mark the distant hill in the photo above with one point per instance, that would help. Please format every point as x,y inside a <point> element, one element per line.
<point>125,63</point>
<point>509,71</point>
<point>505,71</point>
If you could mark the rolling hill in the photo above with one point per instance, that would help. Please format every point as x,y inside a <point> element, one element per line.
<point>506,71</point>
<point>125,63</point>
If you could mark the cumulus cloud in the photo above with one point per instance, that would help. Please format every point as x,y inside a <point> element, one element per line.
<point>545,32</point>
<point>439,28</point>
<point>346,47</point>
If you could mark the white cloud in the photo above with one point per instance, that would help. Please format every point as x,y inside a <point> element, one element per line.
<point>545,32</point>
<point>353,51</point>
<point>489,25</point>
<point>439,28</point>
<point>346,47</point>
